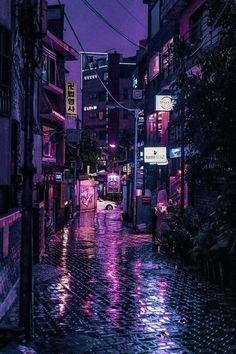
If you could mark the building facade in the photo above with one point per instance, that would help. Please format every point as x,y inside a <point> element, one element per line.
<point>53,116</point>
<point>13,58</point>
<point>111,71</point>
<point>172,25</point>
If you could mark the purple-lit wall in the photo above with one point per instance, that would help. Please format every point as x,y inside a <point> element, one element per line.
<point>5,122</point>
<point>184,20</point>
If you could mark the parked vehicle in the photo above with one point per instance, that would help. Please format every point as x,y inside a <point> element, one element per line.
<point>105,204</point>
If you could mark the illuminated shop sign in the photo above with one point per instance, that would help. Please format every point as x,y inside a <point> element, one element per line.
<point>155,155</point>
<point>58,176</point>
<point>90,108</point>
<point>113,183</point>
<point>71,99</point>
<point>174,153</point>
<point>164,103</point>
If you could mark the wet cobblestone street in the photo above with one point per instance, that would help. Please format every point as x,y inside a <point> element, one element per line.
<point>105,289</point>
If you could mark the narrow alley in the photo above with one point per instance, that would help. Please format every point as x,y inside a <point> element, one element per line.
<point>104,289</point>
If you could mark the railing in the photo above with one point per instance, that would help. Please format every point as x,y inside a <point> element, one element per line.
<point>5,101</point>
<point>201,35</point>
<point>10,246</point>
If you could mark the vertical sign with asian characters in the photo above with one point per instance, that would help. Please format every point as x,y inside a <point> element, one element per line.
<point>71,99</point>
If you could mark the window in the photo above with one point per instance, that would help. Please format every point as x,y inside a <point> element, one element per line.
<point>105,76</point>
<point>5,70</point>
<point>167,58</point>
<point>145,80</point>
<point>90,77</point>
<point>90,108</point>
<point>152,129</point>
<point>49,143</point>
<point>154,66</point>
<point>197,25</point>
<point>49,68</point>
<point>93,96</point>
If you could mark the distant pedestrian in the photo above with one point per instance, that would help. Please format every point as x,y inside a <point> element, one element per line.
<point>162,200</point>
<point>161,211</point>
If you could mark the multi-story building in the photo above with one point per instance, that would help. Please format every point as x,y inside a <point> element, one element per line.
<point>52,112</point>
<point>111,71</point>
<point>13,93</point>
<point>170,24</point>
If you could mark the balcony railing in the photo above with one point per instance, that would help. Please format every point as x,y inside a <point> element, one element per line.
<point>201,35</point>
<point>5,101</point>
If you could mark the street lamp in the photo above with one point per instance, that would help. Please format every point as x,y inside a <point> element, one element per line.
<point>120,146</point>
<point>135,112</point>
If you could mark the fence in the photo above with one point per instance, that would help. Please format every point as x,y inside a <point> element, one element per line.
<point>10,246</point>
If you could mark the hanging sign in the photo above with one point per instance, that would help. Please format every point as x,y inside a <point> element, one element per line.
<point>71,99</point>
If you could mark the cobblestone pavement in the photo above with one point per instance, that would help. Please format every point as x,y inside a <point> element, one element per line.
<point>112,293</point>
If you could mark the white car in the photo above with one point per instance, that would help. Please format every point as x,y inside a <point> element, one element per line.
<point>105,204</point>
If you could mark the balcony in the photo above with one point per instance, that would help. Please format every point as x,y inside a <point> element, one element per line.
<point>53,88</point>
<point>5,101</point>
<point>201,35</point>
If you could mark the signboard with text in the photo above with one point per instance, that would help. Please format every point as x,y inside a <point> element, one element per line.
<point>71,99</point>
<point>164,103</point>
<point>155,155</point>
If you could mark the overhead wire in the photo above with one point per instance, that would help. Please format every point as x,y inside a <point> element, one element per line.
<point>99,15</point>
<point>100,79</point>
<point>130,13</point>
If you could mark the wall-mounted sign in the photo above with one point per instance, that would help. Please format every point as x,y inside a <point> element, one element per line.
<point>155,155</point>
<point>58,176</point>
<point>71,99</point>
<point>164,103</point>
<point>137,94</point>
<point>174,153</point>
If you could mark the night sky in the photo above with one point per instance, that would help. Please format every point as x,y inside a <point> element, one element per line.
<point>95,35</point>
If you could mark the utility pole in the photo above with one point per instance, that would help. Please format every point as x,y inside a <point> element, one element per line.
<point>182,167</point>
<point>136,113</point>
<point>28,30</point>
